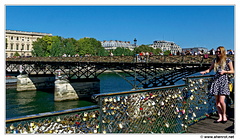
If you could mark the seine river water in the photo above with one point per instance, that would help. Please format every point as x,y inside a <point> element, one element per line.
<point>33,102</point>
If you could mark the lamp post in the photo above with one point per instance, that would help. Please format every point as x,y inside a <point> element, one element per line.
<point>135,42</point>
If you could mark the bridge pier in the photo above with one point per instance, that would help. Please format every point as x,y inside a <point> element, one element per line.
<point>27,82</point>
<point>64,89</point>
<point>24,83</point>
<point>75,89</point>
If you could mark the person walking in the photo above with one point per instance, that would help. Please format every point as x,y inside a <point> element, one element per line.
<point>219,87</point>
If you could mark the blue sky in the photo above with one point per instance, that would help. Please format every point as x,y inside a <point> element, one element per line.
<point>187,26</point>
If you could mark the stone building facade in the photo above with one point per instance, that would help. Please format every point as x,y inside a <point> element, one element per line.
<point>195,50</point>
<point>112,45</point>
<point>167,45</point>
<point>21,42</point>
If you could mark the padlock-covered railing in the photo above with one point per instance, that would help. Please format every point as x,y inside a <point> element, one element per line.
<point>200,102</point>
<point>168,109</point>
<point>186,59</point>
<point>71,121</point>
<point>155,110</point>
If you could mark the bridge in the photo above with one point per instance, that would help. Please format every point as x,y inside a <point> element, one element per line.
<point>140,72</point>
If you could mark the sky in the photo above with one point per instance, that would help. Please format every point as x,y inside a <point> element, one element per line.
<point>187,26</point>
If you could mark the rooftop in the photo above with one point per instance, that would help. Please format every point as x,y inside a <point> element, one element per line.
<point>27,33</point>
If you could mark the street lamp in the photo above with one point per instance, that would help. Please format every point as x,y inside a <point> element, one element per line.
<point>135,42</point>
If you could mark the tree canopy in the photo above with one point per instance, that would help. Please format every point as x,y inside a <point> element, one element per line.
<point>58,46</point>
<point>120,51</point>
<point>146,48</point>
<point>88,46</point>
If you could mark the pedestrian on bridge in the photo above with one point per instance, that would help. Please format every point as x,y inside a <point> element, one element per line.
<point>219,87</point>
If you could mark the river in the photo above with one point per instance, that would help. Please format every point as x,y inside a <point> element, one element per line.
<point>33,102</point>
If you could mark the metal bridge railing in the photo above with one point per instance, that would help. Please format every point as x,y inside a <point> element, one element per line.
<point>72,121</point>
<point>200,102</point>
<point>156,110</point>
<point>123,59</point>
<point>168,109</point>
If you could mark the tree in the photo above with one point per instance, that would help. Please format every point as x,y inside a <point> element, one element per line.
<point>57,46</point>
<point>157,51</point>
<point>167,52</point>
<point>16,54</point>
<point>42,46</point>
<point>88,46</point>
<point>143,48</point>
<point>122,51</point>
<point>118,51</point>
<point>102,52</point>
<point>70,46</point>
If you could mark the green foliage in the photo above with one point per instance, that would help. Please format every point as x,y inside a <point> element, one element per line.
<point>167,52</point>
<point>119,51</point>
<point>16,54</point>
<point>157,51</point>
<point>88,46</point>
<point>146,48</point>
<point>70,46</point>
<point>57,46</point>
<point>42,46</point>
<point>102,52</point>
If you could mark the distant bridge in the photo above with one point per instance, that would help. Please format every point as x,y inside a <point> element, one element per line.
<point>141,72</point>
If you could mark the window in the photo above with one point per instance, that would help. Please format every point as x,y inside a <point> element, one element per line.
<point>27,46</point>
<point>11,46</point>
<point>16,46</point>
<point>22,47</point>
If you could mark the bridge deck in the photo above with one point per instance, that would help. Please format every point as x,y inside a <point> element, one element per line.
<point>207,125</point>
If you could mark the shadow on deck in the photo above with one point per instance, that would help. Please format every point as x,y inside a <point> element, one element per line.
<point>208,126</point>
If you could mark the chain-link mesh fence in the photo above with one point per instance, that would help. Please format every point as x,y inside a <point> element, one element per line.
<point>74,121</point>
<point>148,111</point>
<point>200,102</point>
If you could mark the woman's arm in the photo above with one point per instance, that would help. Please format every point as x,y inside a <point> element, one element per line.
<point>208,70</point>
<point>230,65</point>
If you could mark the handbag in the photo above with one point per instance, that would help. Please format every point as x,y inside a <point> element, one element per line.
<point>230,85</point>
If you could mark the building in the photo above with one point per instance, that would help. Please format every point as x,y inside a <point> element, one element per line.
<point>21,42</point>
<point>195,50</point>
<point>112,45</point>
<point>166,45</point>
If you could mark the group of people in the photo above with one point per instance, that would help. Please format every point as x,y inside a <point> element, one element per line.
<point>143,56</point>
<point>76,55</point>
<point>223,66</point>
<point>228,52</point>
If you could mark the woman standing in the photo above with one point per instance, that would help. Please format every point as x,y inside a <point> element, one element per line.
<point>219,87</point>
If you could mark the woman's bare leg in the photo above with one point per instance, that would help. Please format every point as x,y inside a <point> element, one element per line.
<point>223,107</point>
<point>219,108</point>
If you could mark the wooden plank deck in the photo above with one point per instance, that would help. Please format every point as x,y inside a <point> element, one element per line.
<point>207,125</point>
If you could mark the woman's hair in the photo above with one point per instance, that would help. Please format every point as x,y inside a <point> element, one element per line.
<point>220,61</point>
